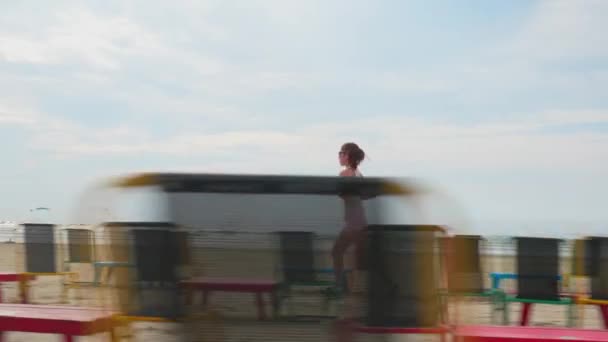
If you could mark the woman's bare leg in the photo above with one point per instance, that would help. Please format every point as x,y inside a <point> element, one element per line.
<point>340,246</point>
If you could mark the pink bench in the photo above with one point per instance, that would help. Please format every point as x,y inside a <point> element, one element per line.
<point>255,286</point>
<point>64,320</point>
<point>474,333</point>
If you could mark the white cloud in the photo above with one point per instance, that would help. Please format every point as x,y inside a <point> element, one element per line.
<point>78,36</point>
<point>15,114</point>
<point>564,117</point>
<point>90,40</point>
<point>14,119</point>
<point>559,29</point>
<point>395,141</point>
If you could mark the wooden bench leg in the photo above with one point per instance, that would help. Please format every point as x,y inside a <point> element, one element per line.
<point>604,311</point>
<point>205,298</point>
<point>525,313</point>
<point>23,290</point>
<point>97,270</point>
<point>260,304</point>
<point>113,335</point>
<point>206,295</point>
<point>274,297</point>
<point>64,290</point>
<point>109,274</point>
<point>68,338</point>
<point>188,295</point>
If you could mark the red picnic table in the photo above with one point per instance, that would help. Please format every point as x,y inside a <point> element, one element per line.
<point>478,333</point>
<point>346,329</point>
<point>257,286</point>
<point>21,278</point>
<point>66,320</point>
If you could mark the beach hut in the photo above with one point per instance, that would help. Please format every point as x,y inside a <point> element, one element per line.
<point>538,278</point>
<point>594,264</point>
<point>41,256</point>
<point>465,273</point>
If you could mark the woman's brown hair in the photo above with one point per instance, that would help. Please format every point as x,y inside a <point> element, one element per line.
<point>355,154</point>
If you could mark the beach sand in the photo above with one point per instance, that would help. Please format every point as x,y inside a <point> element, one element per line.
<point>238,313</point>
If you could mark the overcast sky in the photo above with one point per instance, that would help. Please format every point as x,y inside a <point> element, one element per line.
<point>501,104</point>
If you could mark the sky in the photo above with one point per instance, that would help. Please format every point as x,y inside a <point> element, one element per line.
<point>501,106</point>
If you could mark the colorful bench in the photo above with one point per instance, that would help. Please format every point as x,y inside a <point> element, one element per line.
<point>601,304</point>
<point>526,334</point>
<point>256,286</point>
<point>65,320</point>
<point>497,277</point>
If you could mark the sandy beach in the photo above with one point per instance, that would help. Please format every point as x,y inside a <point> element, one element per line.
<point>238,314</point>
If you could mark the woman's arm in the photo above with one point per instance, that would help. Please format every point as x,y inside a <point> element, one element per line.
<point>346,173</point>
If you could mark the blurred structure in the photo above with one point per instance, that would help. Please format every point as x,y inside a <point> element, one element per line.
<point>165,268</point>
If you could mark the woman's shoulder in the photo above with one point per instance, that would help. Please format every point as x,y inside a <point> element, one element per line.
<point>348,172</point>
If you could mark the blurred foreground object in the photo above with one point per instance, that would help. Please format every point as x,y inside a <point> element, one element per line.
<point>165,258</point>
<point>405,282</point>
